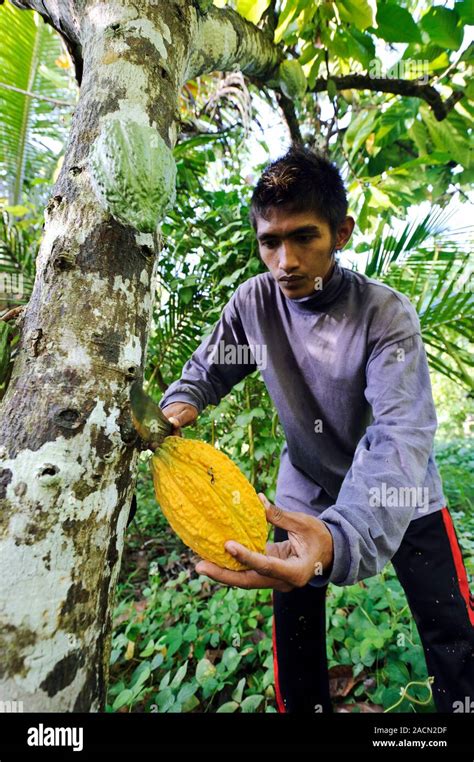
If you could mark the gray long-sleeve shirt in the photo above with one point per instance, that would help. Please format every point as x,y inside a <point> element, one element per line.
<point>347,371</point>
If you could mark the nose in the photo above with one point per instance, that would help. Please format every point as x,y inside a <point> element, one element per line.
<point>287,260</point>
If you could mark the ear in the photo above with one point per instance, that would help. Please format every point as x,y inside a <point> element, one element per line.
<point>345,231</point>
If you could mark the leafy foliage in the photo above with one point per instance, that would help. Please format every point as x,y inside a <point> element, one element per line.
<point>32,60</point>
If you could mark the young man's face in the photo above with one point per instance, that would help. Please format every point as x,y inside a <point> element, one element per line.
<point>298,247</point>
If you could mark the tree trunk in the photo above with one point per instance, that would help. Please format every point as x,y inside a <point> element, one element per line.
<point>69,452</point>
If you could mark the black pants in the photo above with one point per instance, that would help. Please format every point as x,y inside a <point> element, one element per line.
<point>430,568</point>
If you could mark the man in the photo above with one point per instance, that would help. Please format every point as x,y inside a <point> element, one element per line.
<point>358,485</point>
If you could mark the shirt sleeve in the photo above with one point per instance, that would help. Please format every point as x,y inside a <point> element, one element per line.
<point>222,360</point>
<point>383,489</point>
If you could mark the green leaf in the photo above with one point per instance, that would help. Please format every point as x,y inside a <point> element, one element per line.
<point>470,90</point>
<point>122,699</point>
<point>141,674</point>
<point>443,27</point>
<point>231,659</point>
<point>190,633</point>
<point>237,694</point>
<point>157,661</point>
<point>251,703</point>
<point>164,700</point>
<point>284,19</point>
<point>204,670</point>
<point>148,650</point>
<point>396,24</point>
<point>243,419</point>
<point>179,676</point>
<point>332,89</point>
<point>359,130</point>
<point>465,9</point>
<point>228,707</point>
<point>17,210</point>
<point>419,134</point>
<point>187,690</point>
<point>252,10</point>
<point>361,46</point>
<point>186,295</point>
<point>446,138</point>
<point>191,703</point>
<point>357,12</point>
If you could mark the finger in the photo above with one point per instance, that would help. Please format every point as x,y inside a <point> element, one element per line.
<point>267,566</point>
<point>292,521</point>
<point>245,579</point>
<point>176,426</point>
<point>279,549</point>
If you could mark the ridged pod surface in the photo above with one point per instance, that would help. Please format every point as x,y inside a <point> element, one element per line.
<point>292,79</point>
<point>207,500</point>
<point>133,173</point>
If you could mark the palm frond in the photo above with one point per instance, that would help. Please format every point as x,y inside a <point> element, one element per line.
<point>29,62</point>
<point>431,265</point>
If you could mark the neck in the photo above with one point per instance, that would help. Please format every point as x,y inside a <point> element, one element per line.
<point>329,272</point>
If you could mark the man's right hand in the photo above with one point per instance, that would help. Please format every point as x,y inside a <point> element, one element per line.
<point>180,414</point>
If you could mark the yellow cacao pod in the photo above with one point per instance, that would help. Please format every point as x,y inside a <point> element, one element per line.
<point>207,500</point>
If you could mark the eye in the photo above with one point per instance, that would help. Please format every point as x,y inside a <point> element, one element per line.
<point>270,243</point>
<point>305,238</point>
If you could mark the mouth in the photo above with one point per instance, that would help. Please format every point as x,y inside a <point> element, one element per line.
<point>291,280</point>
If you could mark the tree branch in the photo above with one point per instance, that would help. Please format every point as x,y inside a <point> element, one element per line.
<point>405,87</point>
<point>288,109</point>
<point>226,41</point>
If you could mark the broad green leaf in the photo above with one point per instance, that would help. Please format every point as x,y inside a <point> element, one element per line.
<point>204,670</point>
<point>419,134</point>
<point>312,71</point>
<point>357,12</point>
<point>228,707</point>
<point>307,54</point>
<point>179,676</point>
<point>157,661</point>
<point>396,24</point>
<point>148,650</point>
<point>251,703</point>
<point>186,691</point>
<point>443,27</point>
<point>446,138</point>
<point>164,700</point>
<point>470,90</point>
<point>231,658</point>
<point>141,674</point>
<point>359,130</point>
<point>191,703</point>
<point>286,16</point>
<point>190,633</point>
<point>380,198</point>
<point>332,89</point>
<point>122,699</point>
<point>252,10</point>
<point>465,9</point>
<point>237,694</point>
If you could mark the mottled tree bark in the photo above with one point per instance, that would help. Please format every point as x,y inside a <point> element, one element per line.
<point>68,452</point>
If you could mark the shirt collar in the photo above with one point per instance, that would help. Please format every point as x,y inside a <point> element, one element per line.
<point>322,297</point>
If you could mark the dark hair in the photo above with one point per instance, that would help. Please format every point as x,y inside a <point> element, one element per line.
<point>301,181</point>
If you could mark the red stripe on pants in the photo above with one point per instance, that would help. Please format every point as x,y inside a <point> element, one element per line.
<point>280,704</point>
<point>458,562</point>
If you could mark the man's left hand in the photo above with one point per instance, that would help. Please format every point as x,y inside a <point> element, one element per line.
<point>308,551</point>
